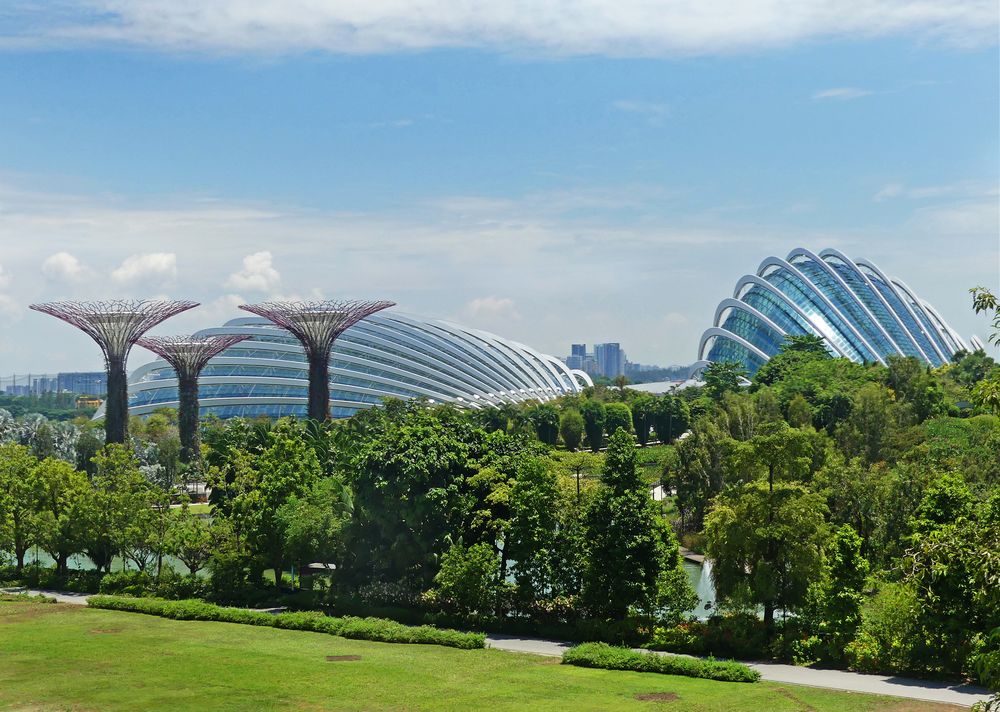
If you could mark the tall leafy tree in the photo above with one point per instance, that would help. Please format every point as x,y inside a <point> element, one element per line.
<point>20,497</point>
<point>766,543</point>
<point>594,416</point>
<point>571,427</point>
<point>617,415</point>
<point>262,483</point>
<point>63,497</point>
<point>420,462</point>
<point>722,377</point>
<point>642,418</point>
<point>545,418</point>
<point>630,551</point>
<point>534,498</point>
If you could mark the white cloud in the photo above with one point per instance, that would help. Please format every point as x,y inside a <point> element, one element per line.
<point>889,190</point>
<point>155,267</point>
<point>843,93</point>
<point>490,308</point>
<point>9,307</point>
<point>257,274</point>
<point>62,266</point>
<point>611,27</point>
<point>4,277</point>
<point>655,113</point>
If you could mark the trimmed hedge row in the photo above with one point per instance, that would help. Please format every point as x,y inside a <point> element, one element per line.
<point>609,657</point>
<point>378,629</point>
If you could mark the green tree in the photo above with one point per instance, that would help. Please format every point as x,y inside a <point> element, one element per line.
<point>533,526</point>
<point>571,428</point>
<point>467,580</point>
<point>545,418</point>
<point>630,551</point>
<point>594,416</point>
<point>722,377</point>
<point>671,417</point>
<point>766,544</point>
<point>800,413</point>
<point>642,418</point>
<point>62,497</point>
<point>869,430</point>
<point>16,465</point>
<point>420,461</point>
<point>843,590</point>
<point>313,523</point>
<point>121,516</point>
<point>617,415</point>
<point>262,483</point>
<point>191,539</point>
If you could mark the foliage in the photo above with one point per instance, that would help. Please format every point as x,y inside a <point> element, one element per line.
<point>594,416</point>
<point>466,581</point>
<point>629,550</point>
<point>722,377</point>
<point>766,544</point>
<point>607,657</point>
<point>357,628</point>
<point>617,415</point>
<point>571,427</point>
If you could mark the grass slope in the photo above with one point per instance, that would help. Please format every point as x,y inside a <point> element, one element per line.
<point>55,657</point>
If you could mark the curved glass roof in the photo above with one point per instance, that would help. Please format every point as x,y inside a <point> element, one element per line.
<point>853,306</point>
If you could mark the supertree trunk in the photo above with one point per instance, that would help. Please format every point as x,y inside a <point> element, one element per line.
<point>319,387</point>
<point>187,418</point>
<point>116,406</point>
<point>316,325</point>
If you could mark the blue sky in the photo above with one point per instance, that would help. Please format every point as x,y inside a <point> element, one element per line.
<point>549,176</point>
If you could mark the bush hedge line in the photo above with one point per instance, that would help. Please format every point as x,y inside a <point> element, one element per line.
<point>377,629</point>
<point>609,657</point>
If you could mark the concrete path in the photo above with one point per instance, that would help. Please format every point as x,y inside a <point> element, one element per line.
<point>78,599</point>
<point>926,690</point>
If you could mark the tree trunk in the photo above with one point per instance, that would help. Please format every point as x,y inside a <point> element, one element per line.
<point>20,552</point>
<point>187,418</point>
<point>62,564</point>
<point>319,387</point>
<point>769,617</point>
<point>116,406</point>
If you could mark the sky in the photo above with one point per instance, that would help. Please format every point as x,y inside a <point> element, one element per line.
<point>553,171</point>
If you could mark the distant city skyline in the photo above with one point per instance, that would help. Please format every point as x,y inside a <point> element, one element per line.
<point>611,173</point>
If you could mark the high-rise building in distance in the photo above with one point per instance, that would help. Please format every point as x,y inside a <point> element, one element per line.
<point>610,359</point>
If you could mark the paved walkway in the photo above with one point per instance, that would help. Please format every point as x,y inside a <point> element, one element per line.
<point>926,690</point>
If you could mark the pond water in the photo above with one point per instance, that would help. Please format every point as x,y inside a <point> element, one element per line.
<point>700,577</point>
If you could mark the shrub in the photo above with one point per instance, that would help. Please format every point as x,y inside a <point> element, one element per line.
<point>608,657</point>
<point>377,629</point>
<point>467,578</point>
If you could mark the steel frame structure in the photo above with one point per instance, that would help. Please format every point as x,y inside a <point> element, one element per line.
<point>317,324</point>
<point>188,355</point>
<point>116,325</point>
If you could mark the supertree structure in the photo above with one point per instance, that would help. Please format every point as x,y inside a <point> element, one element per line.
<point>188,355</point>
<point>317,324</point>
<point>115,324</point>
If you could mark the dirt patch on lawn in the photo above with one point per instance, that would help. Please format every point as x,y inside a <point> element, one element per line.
<point>803,706</point>
<point>342,658</point>
<point>103,631</point>
<point>657,697</point>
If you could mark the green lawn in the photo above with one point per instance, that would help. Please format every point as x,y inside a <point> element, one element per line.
<point>56,657</point>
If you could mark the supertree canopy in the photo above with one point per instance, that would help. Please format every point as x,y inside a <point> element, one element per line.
<point>188,356</point>
<point>316,324</point>
<point>115,324</point>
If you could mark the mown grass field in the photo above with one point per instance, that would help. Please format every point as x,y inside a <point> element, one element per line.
<point>56,657</point>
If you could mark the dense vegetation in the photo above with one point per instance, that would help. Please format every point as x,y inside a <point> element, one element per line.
<point>851,513</point>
